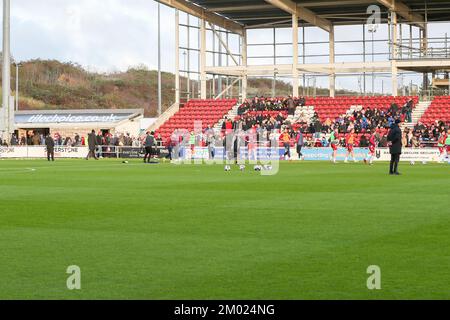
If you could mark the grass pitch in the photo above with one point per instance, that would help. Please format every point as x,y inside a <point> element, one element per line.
<point>196,232</point>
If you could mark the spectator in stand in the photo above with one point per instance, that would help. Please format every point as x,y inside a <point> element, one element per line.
<point>291,106</point>
<point>36,140</point>
<point>415,142</point>
<point>76,140</point>
<point>302,102</point>
<point>68,141</point>
<point>229,126</point>
<point>410,136</point>
<point>404,139</point>
<point>23,140</point>
<point>324,141</point>
<point>14,140</point>
<point>363,142</point>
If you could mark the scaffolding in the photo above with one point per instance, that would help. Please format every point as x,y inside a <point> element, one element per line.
<point>223,69</point>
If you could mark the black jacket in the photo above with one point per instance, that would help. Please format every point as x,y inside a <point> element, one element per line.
<point>92,141</point>
<point>49,142</point>
<point>395,136</point>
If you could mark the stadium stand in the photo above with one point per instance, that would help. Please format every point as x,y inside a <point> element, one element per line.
<point>209,112</point>
<point>439,110</point>
<point>334,107</point>
<point>316,117</point>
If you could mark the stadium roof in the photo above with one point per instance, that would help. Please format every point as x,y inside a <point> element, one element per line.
<point>264,13</point>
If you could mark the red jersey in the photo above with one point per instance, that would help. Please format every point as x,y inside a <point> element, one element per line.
<point>441,143</point>
<point>372,144</point>
<point>442,139</point>
<point>335,142</point>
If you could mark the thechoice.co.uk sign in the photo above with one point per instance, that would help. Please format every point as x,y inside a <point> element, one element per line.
<point>70,118</point>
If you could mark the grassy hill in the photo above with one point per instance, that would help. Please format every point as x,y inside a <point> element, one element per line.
<point>50,84</point>
<point>56,85</point>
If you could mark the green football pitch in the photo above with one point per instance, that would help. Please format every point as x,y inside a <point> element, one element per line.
<point>196,232</point>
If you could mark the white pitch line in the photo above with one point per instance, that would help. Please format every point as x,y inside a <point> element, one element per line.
<point>87,167</point>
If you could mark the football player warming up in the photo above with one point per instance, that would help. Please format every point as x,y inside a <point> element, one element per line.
<point>351,146</point>
<point>442,148</point>
<point>372,149</point>
<point>334,143</point>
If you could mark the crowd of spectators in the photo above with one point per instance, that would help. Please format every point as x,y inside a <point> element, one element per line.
<point>423,135</point>
<point>360,120</point>
<point>34,138</point>
<point>267,115</point>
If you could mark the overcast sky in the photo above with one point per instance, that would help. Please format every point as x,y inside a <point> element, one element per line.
<point>112,35</point>
<point>105,35</point>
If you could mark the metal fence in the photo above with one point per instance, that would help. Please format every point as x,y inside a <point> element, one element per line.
<point>122,152</point>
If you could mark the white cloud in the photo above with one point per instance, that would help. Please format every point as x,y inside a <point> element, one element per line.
<point>110,35</point>
<point>105,35</point>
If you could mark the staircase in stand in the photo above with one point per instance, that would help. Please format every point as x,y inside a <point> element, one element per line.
<point>417,114</point>
<point>232,114</point>
<point>163,118</point>
<point>303,114</point>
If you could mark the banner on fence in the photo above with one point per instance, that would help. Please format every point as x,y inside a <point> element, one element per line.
<point>41,152</point>
<point>264,154</point>
<point>409,154</point>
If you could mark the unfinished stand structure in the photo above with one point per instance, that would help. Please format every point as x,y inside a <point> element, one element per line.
<point>220,62</point>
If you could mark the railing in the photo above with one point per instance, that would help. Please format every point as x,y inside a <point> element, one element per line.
<point>430,94</point>
<point>125,152</point>
<point>403,52</point>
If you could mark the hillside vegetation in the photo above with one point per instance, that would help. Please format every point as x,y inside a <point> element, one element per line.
<point>50,84</point>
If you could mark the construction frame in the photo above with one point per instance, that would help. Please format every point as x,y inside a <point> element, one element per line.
<point>406,53</point>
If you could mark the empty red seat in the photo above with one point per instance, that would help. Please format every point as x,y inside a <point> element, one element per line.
<point>208,112</point>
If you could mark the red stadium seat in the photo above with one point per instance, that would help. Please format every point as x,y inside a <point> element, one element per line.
<point>438,110</point>
<point>208,112</point>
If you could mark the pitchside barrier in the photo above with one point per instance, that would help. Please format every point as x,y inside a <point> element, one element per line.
<point>309,154</point>
<point>36,152</point>
<point>185,153</point>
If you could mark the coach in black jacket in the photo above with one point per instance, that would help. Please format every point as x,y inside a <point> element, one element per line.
<point>92,144</point>
<point>395,138</point>
<point>50,144</point>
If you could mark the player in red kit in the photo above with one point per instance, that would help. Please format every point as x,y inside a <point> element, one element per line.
<point>442,148</point>
<point>372,148</point>
<point>334,145</point>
